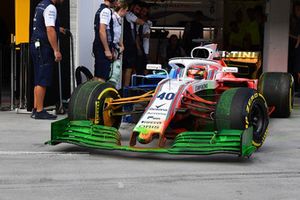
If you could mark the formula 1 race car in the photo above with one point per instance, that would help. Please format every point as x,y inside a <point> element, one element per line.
<point>200,107</point>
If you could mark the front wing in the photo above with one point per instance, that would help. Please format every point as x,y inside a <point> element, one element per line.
<point>87,134</point>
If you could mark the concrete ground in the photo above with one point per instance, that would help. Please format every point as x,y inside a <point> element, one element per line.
<point>31,170</point>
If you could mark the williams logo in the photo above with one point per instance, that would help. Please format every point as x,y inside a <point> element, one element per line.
<point>158,106</point>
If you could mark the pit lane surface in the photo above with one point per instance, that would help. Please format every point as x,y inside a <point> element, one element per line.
<point>31,170</point>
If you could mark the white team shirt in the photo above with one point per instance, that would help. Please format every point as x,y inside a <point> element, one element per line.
<point>131,18</point>
<point>146,30</point>
<point>117,27</point>
<point>146,41</point>
<point>147,27</point>
<point>50,14</point>
<point>105,17</point>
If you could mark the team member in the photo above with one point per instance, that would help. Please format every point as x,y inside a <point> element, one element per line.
<point>193,30</point>
<point>103,42</point>
<point>120,12</point>
<point>44,50</point>
<point>130,52</point>
<point>118,47</point>
<point>143,40</point>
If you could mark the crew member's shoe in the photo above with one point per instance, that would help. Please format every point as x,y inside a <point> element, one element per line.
<point>33,113</point>
<point>44,115</point>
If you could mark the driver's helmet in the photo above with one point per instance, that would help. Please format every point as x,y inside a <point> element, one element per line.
<point>197,72</point>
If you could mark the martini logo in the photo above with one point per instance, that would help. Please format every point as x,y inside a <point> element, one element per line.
<point>241,54</point>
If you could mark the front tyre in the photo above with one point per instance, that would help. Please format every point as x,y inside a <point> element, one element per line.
<point>90,102</point>
<point>240,108</point>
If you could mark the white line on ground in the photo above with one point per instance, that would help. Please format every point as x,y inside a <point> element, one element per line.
<point>39,153</point>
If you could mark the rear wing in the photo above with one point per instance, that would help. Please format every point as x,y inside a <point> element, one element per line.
<point>247,62</point>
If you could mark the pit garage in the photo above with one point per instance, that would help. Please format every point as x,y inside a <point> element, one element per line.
<point>30,169</point>
<point>216,18</point>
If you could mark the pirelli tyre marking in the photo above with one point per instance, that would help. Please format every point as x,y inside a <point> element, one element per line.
<point>103,99</point>
<point>249,105</point>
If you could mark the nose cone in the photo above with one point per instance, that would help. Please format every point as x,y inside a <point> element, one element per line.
<point>146,138</point>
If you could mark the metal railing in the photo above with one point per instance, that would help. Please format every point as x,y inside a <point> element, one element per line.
<point>4,76</point>
<point>1,72</point>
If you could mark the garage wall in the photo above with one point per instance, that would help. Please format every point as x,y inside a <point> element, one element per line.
<point>275,42</point>
<point>82,22</point>
<point>73,24</point>
<point>276,36</point>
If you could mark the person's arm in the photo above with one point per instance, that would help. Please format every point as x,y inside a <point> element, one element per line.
<point>138,46</point>
<point>138,42</point>
<point>62,30</point>
<point>146,35</point>
<point>131,17</point>
<point>105,19</point>
<point>121,46</point>
<point>103,38</point>
<point>139,21</point>
<point>298,42</point>
<point>50,15</point>
<point>52,38</point>
<point>297,33</point>
<point>182,52</point>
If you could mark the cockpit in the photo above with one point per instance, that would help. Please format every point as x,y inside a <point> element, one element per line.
<point>197,72</point>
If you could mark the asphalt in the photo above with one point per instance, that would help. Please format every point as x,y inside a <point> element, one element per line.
<point>31,170</point>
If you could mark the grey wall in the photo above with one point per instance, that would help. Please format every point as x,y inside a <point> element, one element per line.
<point>82,23</point>
<point>276,36</point>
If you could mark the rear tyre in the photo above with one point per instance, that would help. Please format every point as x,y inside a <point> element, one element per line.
<point>89,102</point>
<point>278,89</point>
<point>240,108</point>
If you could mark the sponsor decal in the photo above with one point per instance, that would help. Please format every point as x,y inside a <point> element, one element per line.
<point>230,69</point>
<point>240,54</point>
<point>159,109</point>
<point>154,118</point>
<point>201,87</point>
<point>148,126</point>
<point>151,122</point>
<point>97,105</point>
<point>166,96</point>
<point>157,113</point>
<point>158,106</point>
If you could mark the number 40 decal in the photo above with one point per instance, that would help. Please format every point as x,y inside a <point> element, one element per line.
<point>167,96</point>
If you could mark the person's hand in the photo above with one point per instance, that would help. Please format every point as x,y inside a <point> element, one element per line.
<point>298,42</point>
<point>139,51</point>
<point>146,35</point>
<point>62,30</point>
<point>57,56</point>
<point>108,54</point>
<point>121,49</point>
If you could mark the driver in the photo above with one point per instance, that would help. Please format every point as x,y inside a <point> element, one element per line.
<point>197,72</point>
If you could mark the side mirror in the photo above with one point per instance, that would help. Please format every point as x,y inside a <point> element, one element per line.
<point>153,66</point>
<point>230,69</point>
<point>156,67</point>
